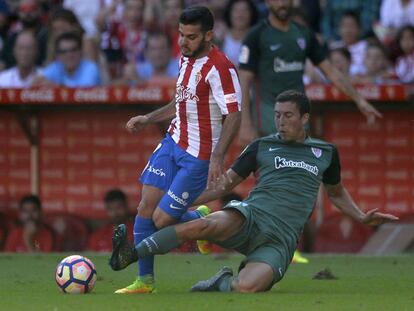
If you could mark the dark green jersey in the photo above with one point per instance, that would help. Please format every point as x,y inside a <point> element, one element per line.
<point>289,178</point>
<point>278,60</point>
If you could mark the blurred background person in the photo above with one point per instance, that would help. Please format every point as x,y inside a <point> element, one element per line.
<point>29,19</point>
<point>350,37</point>
<point>341,59</point>
<point>25,52</point>
<point>404,67</point>
<point>4,26</point>
<point>116,206</point>
<point>396,14</point>
<point>334,9</point>
<point>70,68</point>
<point>378,70</point>
<point>160,68</point>
<point>239,16</point>
<point>32,235</point>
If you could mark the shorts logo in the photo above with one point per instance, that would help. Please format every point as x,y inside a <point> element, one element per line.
<point>175,207</point>
<point>185,195</point>
<point>176,198</point>
<point>156,171</point>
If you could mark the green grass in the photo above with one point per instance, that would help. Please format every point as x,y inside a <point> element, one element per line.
<point>364,283</point>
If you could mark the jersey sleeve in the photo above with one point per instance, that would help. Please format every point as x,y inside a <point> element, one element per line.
<point>316,52</point>
<point>225,87</point>
<point>250,51</point>
<point>332,175</point>
<point>246,163</point>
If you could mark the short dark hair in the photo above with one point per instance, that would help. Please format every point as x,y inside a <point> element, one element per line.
<point>33,199</point>
<point>198,15</point>
<point>254,13</point>
<point>69,36</point>
<point>342,50</point>
<point>115,195</point>
<point>352,14</point>
<point>299,98</point>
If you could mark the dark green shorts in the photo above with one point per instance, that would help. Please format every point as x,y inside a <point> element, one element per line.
<point>256,246</point>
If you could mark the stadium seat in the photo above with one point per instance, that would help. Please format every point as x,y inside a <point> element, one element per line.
<point>71,230</point>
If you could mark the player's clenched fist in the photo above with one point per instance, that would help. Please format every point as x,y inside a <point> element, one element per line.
<point>136,123</point>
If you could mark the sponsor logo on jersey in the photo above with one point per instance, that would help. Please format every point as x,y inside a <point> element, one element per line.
<point>301,43</point>
<point>280,65</point>
<point>317,152</point>
<point>176,198</point>
<point>184,93</point>
<point>156,171</point>
<point>274,47</point>
<point>244,55</point>
<point>282,163</point>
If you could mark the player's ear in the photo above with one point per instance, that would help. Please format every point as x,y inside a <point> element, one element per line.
<point>305,118</point>
<point>209,36</point>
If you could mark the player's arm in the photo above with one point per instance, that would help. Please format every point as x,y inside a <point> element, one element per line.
<point>344,84</point>
<point>216,171</point>
<point>340,197</point>
<point>212,194</point>
<point>164,113</point>
<point>248,131</point>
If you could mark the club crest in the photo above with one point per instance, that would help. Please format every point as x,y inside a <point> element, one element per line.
<point>301,42</point>
<point>317,152</point>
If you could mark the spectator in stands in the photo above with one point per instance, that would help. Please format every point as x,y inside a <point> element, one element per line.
<point>29,19</point>
<point>341,59</point>
<point>404,67</point>
<point>159,67</point>
<point>62,21</point>
<point>172,10</point>
<point>350,34</point>
<point>70,69</point>
<point>4,24</point>
<point>377,67</point>
<point>239,16</point>
<point>33,235</point>
<point>334,9</point>
<point>25,52</point>
<point>396,14</point>
<point>125,39</point>
<point>116,205</point>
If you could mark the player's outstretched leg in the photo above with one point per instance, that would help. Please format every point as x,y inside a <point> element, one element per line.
<point>123,252</point>
<point>213,283</point>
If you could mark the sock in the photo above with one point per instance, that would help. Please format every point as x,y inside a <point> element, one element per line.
<point>160,242</point>
<point>188,216</point>
<point>225,284</point>
<point>143,228</point>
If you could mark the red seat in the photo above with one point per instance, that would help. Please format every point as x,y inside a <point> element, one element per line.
<point>72,231</point>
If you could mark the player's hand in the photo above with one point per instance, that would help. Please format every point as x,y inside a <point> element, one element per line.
<point>375,218</point>
<point>217,176</point>
<point>247,134</point>
<point>136,123</point>
<point>368,111</point>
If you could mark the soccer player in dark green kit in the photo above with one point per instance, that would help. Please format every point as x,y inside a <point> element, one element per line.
<point>273,54</point>
<point>266,226</point>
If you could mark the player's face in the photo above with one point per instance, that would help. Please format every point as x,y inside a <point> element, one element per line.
<point>193,41</point>
<point>280,9</point>
<point>289,122</point>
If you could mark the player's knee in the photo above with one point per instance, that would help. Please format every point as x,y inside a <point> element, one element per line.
<point>162,219</point>
<point>248,286</point>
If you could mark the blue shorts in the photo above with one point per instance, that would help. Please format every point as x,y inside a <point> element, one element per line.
<point>180,175</point>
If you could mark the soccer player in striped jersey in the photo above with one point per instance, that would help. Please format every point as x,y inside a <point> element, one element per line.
<point>206,112</point>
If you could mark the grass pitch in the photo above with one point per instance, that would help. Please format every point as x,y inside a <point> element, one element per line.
<point>364,283</point>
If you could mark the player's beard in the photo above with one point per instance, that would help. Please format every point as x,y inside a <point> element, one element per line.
<point>282,13</point>
<point>198,50</point>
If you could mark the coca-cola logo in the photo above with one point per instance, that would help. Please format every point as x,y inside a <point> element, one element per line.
<point>91,95</point>
<point>147,94</point>
<point>40,95</point>
<point>316,92</point>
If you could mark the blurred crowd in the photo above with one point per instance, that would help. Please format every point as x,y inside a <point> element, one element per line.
<point>77,43</point>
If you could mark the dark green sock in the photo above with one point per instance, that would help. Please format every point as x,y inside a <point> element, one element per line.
<point>160,242</point>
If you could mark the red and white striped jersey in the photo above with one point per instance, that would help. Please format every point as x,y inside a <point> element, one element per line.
<point>207,89</point>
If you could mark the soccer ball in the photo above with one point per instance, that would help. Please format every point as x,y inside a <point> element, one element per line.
<point>75,275</point>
